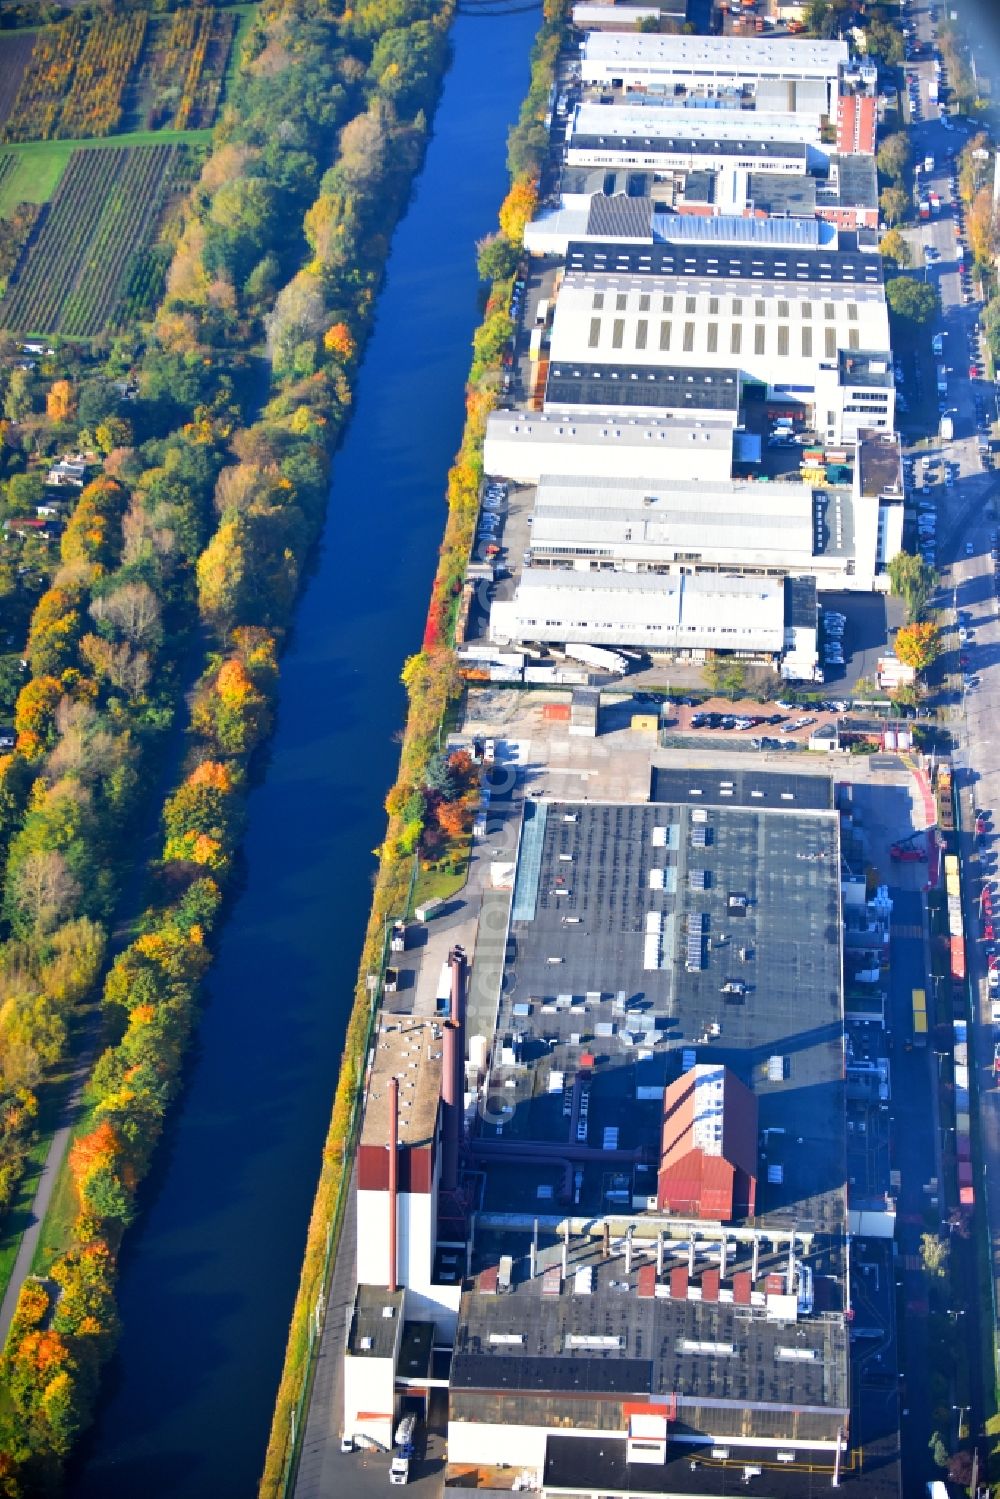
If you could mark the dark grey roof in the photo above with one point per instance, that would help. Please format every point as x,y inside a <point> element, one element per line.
<point>571,384</point>
<point>759,789</point>
<point>857,185</point>
<point>699,186</point>
<point>491,1371</point>
<point>734,262</point>
<point>800,602</point>
<point>699,144</point>
<point>774,193</point>
<point>879,462</point>
<point>605,180</point>
<point>600,1465</point>
<point>620,217</point>
<point>870,367</point>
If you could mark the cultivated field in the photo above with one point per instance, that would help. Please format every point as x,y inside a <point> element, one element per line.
<point>74,83</point>
<point>183,67</point>
<point>84,257</point>
<point>84,79</point>
<point>15,51</point>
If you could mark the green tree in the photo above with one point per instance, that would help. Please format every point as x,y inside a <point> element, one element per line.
<point>913,580</point>
<point>894,155</point>
<point>913,301</point>
<point>895,247</point>
<point>894,203</point>
<point>440,777</point>
<point>939,1451</point>
<point>496,257</point>
<point>19,401</point>
<point>24,493</point>
<point>884,40</point>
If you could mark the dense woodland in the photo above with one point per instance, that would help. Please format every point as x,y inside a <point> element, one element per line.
<point>207,438</point>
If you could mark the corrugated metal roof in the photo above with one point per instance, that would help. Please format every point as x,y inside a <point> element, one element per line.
<point>620,217</point>
<point>733,229</point>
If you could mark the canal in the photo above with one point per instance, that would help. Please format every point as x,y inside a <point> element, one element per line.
<point>209,1273</point>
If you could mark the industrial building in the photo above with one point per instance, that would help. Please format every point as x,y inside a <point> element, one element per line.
<point>658,138</point>
<point>837,534</point>
<point>524,446</point>
<point>731,205</point>
<point>663,614</point>
<point>658,1273</point>
<point>809,326</point>
<point>710,66</point>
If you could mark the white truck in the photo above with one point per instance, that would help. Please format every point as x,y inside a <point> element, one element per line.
<point>399,1471</point>
<point>947,427</point>
<point>937,343</point>
<point>598,656</point>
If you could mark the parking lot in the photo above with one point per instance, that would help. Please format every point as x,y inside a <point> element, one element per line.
<point>868,619</point>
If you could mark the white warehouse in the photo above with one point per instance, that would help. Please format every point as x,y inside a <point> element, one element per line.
<point>525,445</point>
<point>710,64</point>
<point>694,527</point>
<point>655,612</point>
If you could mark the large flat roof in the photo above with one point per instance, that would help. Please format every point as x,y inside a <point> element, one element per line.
<point>693,142</point>
<point>795,56</point>
<point>409,1049</point>
<point>792,264</point>
<point>576,383</point>
<point>594,429</point>
<point>593,863</point>
<point>588,1011</point>
<point>657,121</point>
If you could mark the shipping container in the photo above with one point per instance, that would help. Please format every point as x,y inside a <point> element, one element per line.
<point>556,712</point>
<point>958,957</point>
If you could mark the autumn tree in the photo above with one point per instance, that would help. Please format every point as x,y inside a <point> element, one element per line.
<point>894,247</point>
<point>34,715</point>
<point>983,227</point>
<point>894,155</point>
<point>338,341</point>
<point>918,645</point>
<point>518,208</point>
<point>894,203</point>
<point>60,401</point>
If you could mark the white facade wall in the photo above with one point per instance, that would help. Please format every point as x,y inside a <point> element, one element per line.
<point>523,446</point>
<point>655,612</point>
<point>490,1446</point>
<point>416,1226</point>
<point>890,533</point>
<point>664,157</point>
<point>707,64</point>
<point>369,1397</point>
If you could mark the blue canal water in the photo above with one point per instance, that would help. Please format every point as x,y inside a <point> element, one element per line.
<point>209,1273</point>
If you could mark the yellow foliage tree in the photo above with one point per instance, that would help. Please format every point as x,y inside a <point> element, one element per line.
<point>518,207</point>
<point>60,402</point>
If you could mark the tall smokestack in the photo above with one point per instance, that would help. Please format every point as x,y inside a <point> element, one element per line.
<point>449,1107</point>
<point>659,1255</point>
<point>454,1061</point>
<point>534,1251</point>
<point>628,1250</point>
<point>565,1251</point>
<point>723,1257</point>
<point>755,1267</point>
<point>393,1175</point>
<point>790,1284</point>
<point>691,1255</point>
